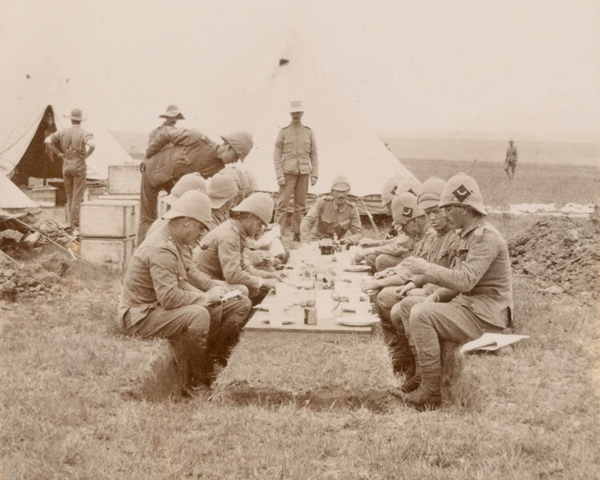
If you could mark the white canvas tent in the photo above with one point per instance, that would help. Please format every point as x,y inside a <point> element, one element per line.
<point>11,198</point>
<point>344,144</point>
<point>29,106</point>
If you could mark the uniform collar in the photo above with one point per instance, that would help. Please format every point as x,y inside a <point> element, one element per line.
<point>446,229</point>
<point>471,225</point>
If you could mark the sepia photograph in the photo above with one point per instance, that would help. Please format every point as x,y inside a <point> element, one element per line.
<point>300,240</point>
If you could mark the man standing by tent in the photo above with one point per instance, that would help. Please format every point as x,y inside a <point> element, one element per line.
<point>175,152</point>
<point>171,116</point>
<point>295,160</point>
<point>73,145</point>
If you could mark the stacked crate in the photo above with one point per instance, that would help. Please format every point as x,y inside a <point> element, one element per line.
<point>108,231</point>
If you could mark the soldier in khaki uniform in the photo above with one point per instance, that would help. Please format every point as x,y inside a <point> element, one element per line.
<point>333,215</point>
<point>171,115</point>
<point>512,157</point>
<point>221,254</point>
<point>74,145</point>
<point>296,160</point>
<point>164,295</point>
<point>175,152</point>
<point>474,296</point>
<point>383,254</point>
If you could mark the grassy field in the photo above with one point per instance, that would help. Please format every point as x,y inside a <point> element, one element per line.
<point>530,415</point>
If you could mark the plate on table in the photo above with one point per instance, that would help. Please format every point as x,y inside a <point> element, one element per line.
<point>357,268</point>
<point>358,321</point>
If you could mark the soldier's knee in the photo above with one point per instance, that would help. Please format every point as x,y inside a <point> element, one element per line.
<point>198,317</point>
<point>418,315</point>
<point>396,317</point>
<point>387,298</point>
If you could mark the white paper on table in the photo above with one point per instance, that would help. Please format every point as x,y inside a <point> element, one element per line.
<point>491,342</point>
<point>266,239</point>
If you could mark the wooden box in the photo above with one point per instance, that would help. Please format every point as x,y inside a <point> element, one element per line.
<point>109,218</point>
<point>109,252</point>
<point>43,196</point>
<point>125,179</point>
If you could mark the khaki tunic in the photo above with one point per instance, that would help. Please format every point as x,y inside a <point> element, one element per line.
<point>481,274</point>
<point>296,152</point>
<point>221,256</point>
<point>158,275</point>
<point>330,219</point>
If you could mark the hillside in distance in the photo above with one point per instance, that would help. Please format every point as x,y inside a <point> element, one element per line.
<point>492,150</point>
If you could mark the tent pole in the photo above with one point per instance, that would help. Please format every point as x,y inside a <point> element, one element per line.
<point>369,215</point>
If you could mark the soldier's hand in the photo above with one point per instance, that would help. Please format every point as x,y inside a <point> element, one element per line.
<point>366,242</point>
<point>281,181</point>
<point>268,284</point>
<point>369,284</point>
<point>313,181</point>
<point>215,294</point>
<point>433,298</point>
<point>403,291</point>
<point>279,276</point>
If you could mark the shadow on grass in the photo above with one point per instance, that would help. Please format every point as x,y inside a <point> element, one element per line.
<point>376,401</point>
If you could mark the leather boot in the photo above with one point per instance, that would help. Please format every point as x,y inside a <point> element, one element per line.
<point>412,382</point>
<point>428,396</point>
<point>199,360</point>
<point>403,359</point>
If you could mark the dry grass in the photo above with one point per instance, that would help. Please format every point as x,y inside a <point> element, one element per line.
<point>531,415</point>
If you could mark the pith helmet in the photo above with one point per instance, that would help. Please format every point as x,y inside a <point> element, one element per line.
<point>221,189</point>
<point>173,111</point>
<point>193,204</point>
<point>296,106</point>
<point>242,176</point>
<point>405,208</point>
<point>432,191</point>
<point>191,181</point>
<point>76,114</point>
<point>411,185</point>
<point>340,182</point>
<point>259,204</point>
<point>252,183</point>
<point>463,190</point>
<point>240,141</point>
<point>389,190</point>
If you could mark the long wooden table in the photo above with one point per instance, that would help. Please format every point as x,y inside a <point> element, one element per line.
<point>285,304</point>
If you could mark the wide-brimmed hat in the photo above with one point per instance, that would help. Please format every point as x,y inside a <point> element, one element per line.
<point>173,111</point>
<point>221,189</point>
<point>259,204</point>
<point>296,106</point>
<point>76,114</point>
<point>191,181</point>
<point>241,142</point>
<point>192,204</point>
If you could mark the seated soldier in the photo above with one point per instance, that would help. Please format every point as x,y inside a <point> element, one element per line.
<point>191,181</point>
<point>222,191</point>
<point>333,215</point>
<point>383,254</point>
<point>473,297</point>
<point>164,297</point>
<point>221,254</point>
<point>439,247</point>
<point>414,226</point>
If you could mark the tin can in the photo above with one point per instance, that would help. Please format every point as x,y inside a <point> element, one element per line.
<point>310,316</point>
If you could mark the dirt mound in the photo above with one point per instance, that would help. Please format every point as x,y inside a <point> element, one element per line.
<point>561,255</point>
<point>41,279</point>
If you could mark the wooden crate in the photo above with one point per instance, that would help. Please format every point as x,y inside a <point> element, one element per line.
<point>109,252</point>
<point>125,179</point>
<point>43,196</point>
<point>109,218</point>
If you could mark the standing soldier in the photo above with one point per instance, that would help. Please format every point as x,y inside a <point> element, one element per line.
<point>74,145</point>
<point>295,160</point>
<point>171,116</point>
<point>512,156</point>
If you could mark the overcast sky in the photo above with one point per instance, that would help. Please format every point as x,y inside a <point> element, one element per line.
<point>471,65</point>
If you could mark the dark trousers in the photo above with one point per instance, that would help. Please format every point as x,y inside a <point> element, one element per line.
<point>149,205</point>
<point>298,185</point>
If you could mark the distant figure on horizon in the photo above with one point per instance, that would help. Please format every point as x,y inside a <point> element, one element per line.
<point>296,160</point>
<point>512,156</point>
